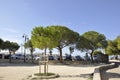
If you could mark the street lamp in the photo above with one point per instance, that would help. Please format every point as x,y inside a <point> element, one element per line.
<point>25,40</point>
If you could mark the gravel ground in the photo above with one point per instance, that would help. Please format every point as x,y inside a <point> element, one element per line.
<point>114,74</point>
<point>22,71</point>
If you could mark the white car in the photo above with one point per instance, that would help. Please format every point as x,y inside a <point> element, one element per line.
<point>17,56</point>
<point>36,58</point>
<point>28,57</point>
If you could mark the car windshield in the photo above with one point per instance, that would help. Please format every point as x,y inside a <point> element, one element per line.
<point>18,54</point>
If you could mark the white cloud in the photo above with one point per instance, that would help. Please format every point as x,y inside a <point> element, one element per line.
<point>9,30</point>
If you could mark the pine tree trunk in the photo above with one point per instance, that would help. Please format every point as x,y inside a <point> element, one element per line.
<point>91,55</point>
<point>61,60</point>
<point>10,56</point>
<point>45,62</point>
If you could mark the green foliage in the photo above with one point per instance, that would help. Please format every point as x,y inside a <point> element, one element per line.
<point>82,44</point>
<point>6,45</point>
<point>41,38</point>
<point>113,47</point>
<point>110,48</point>
<point>14,46</point>
<point>1,42</point>
<point>11,46</point>
<point>97,52</point>
<point>96,40</point>
<point>62,37</point>
<point>117,40</point>
<point>90,41</point>
<point>53,37</point>
<point>29,45</point>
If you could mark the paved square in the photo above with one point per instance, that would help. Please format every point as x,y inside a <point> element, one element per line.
<point>22,71</point>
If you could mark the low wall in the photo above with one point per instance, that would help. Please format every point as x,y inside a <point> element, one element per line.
<point>97,75</point>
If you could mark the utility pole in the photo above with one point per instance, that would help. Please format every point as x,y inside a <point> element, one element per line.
<point>25,40</point>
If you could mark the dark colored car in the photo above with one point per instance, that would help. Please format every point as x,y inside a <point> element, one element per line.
<point>1,56</point>
<point>78,58</point>
<point>51,58</point>
<point>7,56</point>
<point>68,57</point>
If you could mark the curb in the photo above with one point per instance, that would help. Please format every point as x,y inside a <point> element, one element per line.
<point>97,71</point>
<point>45,77</point>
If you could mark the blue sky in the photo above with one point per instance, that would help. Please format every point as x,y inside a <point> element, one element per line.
<point>21,16</point>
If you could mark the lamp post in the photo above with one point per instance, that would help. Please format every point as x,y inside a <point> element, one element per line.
<point>25,39</point>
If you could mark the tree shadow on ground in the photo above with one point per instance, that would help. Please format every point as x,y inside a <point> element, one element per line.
<point>84,65</point>
<point>107,75</point>
<point>17,64</point>
<point>1,78</point>
<point>86,75</point>
<point>113,75</point>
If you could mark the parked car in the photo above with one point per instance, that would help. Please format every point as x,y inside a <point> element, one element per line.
<point>68,57</point>
<point>17,56</point>
<point>7,56</point>
<point>50,57</point>
<point>28,57</point>
<point>1,56</point>
<point>36,58</point>
<point>63,57</point>
<point>42,58</point>
<point>78,58</point>
<point>101,58</point>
